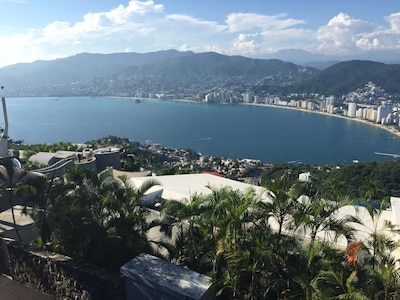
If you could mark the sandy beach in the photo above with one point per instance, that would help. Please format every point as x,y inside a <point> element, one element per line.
<point>387,128</point>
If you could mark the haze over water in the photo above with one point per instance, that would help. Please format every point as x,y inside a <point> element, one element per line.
<point>235,131</point>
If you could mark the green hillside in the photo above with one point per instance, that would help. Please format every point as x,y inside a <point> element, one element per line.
<point>345,77</point>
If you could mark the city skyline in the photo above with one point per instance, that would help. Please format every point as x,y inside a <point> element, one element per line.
<point>45,30</point>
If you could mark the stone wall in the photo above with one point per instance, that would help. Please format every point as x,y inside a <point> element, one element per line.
<point>60,276</point>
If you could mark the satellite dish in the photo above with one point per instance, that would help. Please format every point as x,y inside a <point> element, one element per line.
<point>16,163</point>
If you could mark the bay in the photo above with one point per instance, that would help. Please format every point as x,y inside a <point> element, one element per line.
<point>237,131</point>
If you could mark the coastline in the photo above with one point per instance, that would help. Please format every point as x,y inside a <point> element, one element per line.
<point>210,129</point>
<point>386,128</point>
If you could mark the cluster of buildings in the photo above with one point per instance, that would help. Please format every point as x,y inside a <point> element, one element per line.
<point>385,113</point>
<point>187,159</point>
<point>147,275</point>
<point>370,103</point>
<point>96,159</point>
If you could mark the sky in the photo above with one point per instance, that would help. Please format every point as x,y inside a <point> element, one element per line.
<point>48,29</point>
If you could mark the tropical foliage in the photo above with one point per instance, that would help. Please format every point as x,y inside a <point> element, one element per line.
<point>15,184</point>
<point>270,246</point>
<point>92,218</point>
<point>370,180</point>
<point>230,236</point>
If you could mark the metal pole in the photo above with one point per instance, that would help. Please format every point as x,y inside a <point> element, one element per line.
<point>3,102</point>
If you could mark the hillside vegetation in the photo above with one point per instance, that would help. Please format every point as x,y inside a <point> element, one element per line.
<point>369,180</point>
<point>360,181</point>
<point>165,71</point>
<point>345,77</point>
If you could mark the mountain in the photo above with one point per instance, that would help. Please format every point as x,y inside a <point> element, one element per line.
<point>107,74</point>
<point>210,64</point>
<point>323,61</point>
<point>304,58</point>
<point>85,66</point>
<point>345,77</point>
<point>185,74</point>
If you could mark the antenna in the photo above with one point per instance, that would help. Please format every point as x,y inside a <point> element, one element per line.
<point>4,134</point>
<point>5,131</point>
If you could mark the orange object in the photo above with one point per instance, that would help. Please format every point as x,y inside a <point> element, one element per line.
<point>352,252</point>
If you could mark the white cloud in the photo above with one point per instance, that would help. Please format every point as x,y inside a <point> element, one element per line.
<point>247,44</point>
<point>15,1</point>
<point>144,26</point>
<point>96,32</point>
<point>184,20</point>
<point>394,20</point>
<point>186,33</point>
<point>260,34</point>
<point>239,22</point>
<point>345,35</point>
<point>103,24</point>
<point>341,33</point>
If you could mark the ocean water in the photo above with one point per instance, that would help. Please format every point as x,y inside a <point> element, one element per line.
<point>236,131</point>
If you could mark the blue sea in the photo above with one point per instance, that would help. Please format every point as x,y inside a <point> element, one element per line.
<point>236,131</point>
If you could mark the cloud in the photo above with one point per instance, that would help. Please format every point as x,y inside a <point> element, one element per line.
<point>260,34</point>
<point>140,25</point>
<point>346,35</point>
<point>247,44</point>
<point>109,31</point>
<point>394,21</point>
<point>102,24</point>
<point>239,22</point>
<point>177,20</point>
<point>144,26</point>
<point>15,1</point>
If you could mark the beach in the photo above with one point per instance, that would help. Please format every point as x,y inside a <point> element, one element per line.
<point>384,127</point>
<point>390,129</point>
<point>234,131</point>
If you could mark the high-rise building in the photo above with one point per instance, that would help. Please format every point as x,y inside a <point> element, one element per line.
<point>351,112</point>
<point>248,97</point>
<point>384,110</point>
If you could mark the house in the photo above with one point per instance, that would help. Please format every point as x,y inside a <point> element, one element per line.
<point>96,159</point>
<point>184,186</point>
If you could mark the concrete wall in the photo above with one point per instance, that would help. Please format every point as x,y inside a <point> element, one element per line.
<point>108,159</point>
<point>58,275</point>
<point>148,277</point>
<point>87,164</point>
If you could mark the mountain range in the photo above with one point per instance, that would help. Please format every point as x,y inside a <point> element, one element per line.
<point>171,70</point>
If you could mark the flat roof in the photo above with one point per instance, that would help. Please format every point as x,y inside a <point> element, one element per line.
<point>117,173</point>
<point>26,225</point>
<point>42,158</point>
<point>184,186</point>
<point>164,276</point>
<point>45,157</point>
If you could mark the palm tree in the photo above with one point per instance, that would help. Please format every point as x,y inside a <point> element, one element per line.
<point>378,242</point>
<point>48,190</point>
<point>370,271</point>
<point>371,190</point>
<point>103,220</point>
<point>315,214</point>
<point>316,262</point>
<point>13,183</point>
<point>280,208</point>
<point>334,283</point>
<point>233,217</point>
<point>214,234</point>
<point>126,205</point>
<point>377,238</point>
<point>181,222</point>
